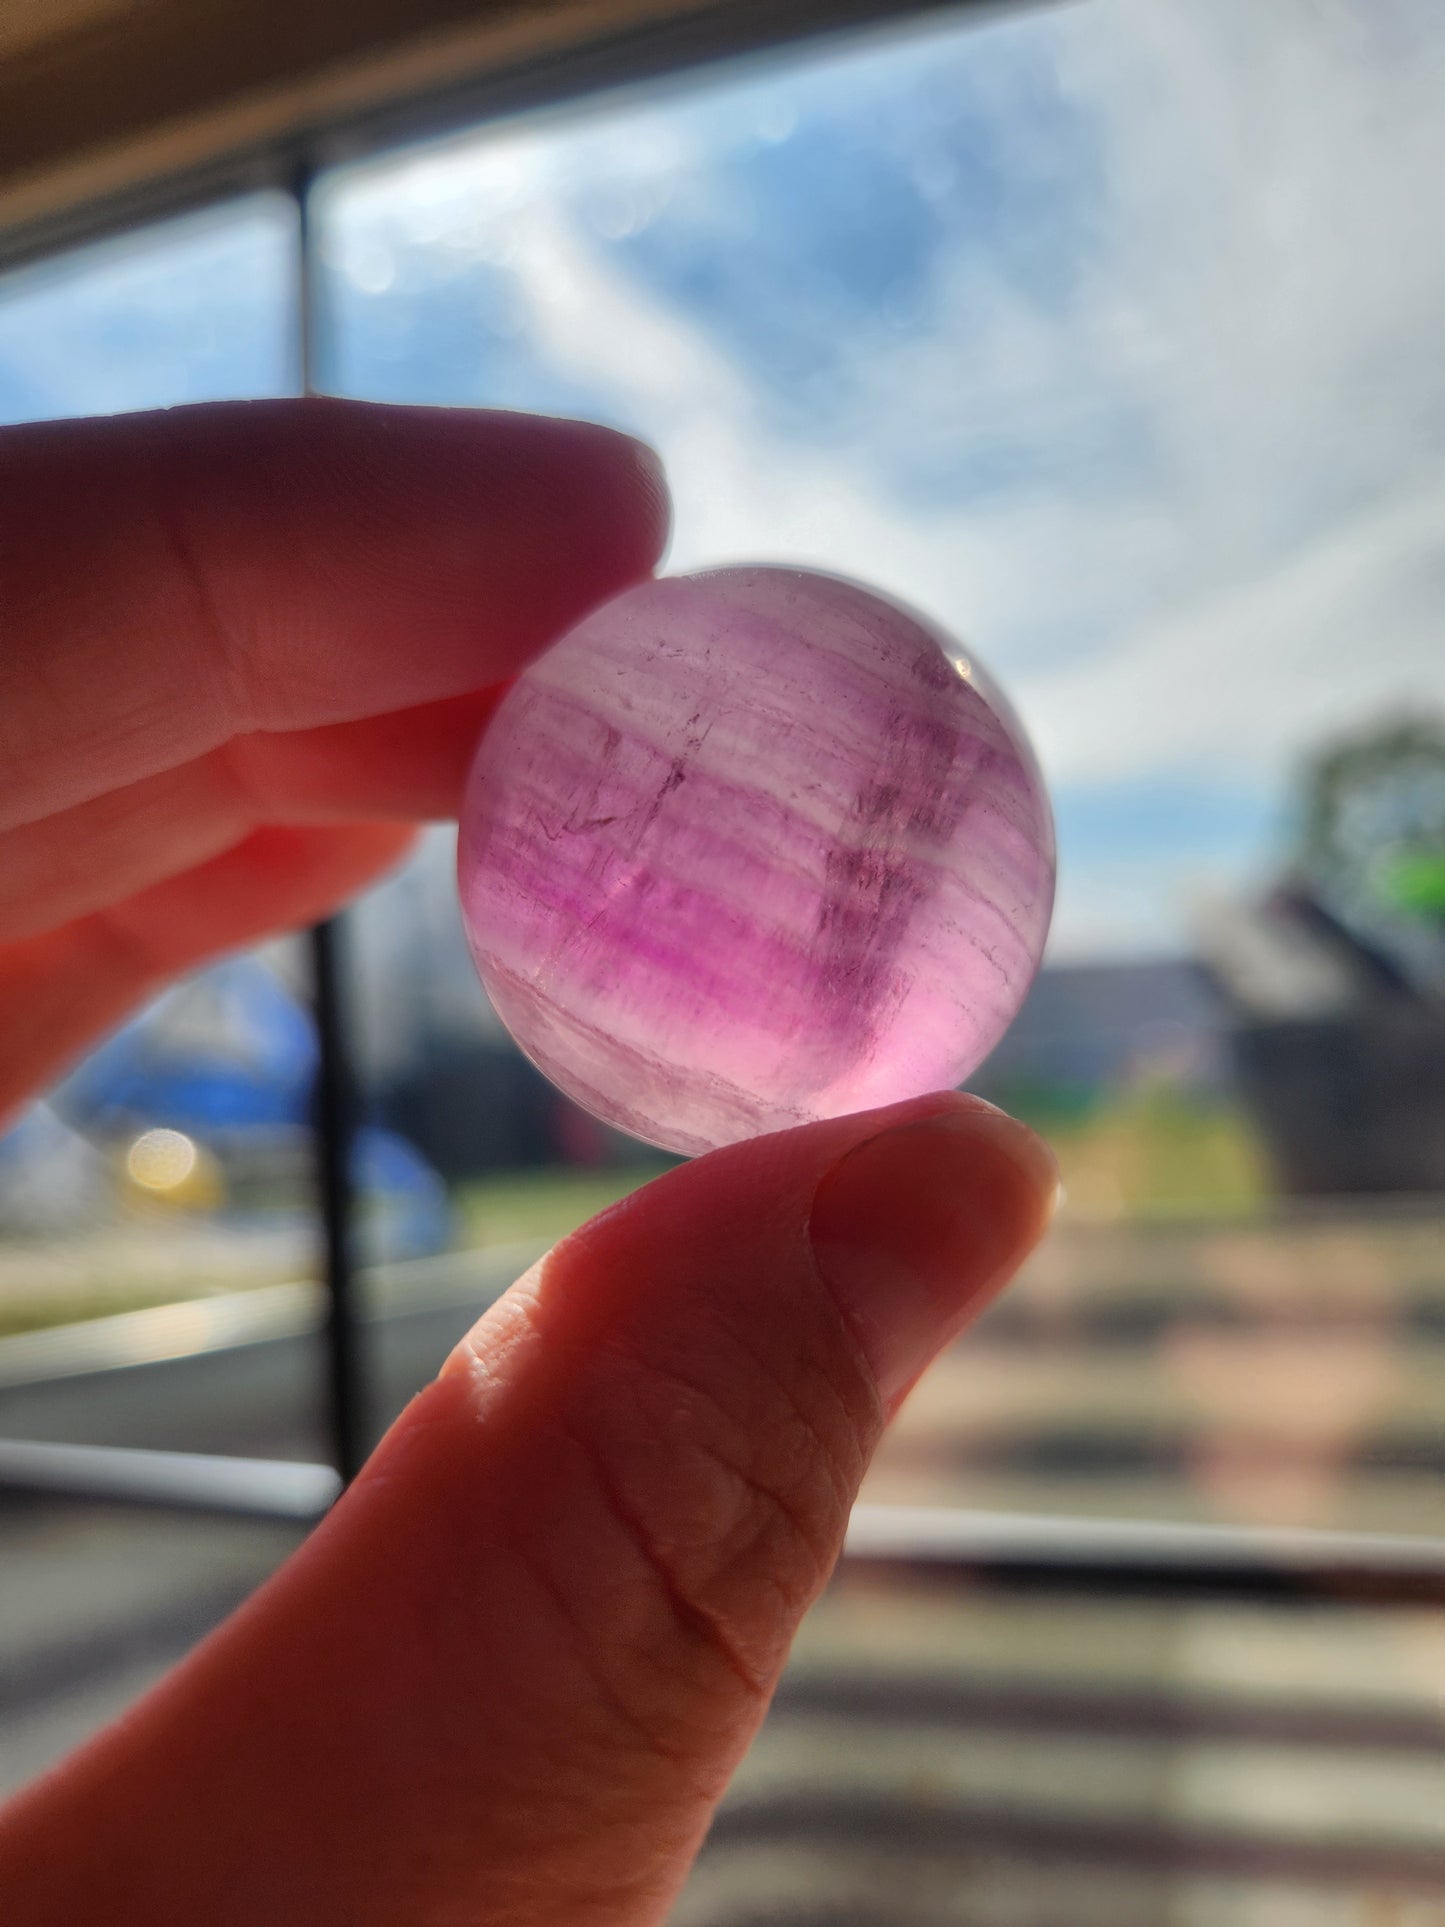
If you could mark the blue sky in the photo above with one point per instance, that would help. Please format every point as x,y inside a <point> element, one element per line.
<point>1108,335</point>
<point>197,310</point>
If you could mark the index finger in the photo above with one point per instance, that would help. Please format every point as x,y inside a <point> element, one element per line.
<point>169,581</point>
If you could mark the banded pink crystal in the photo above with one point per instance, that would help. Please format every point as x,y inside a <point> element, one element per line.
<point>750,848</point>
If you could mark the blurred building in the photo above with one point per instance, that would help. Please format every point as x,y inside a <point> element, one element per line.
<point>1338,1051</point>
<point>1089,1027</point>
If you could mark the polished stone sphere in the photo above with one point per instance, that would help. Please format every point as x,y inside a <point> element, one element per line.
<point>750,848</point>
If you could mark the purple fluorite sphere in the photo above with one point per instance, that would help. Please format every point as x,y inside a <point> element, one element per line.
<point>750,848</point>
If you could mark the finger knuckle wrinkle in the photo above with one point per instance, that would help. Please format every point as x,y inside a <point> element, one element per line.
<point>234,680</point>
<point>737,1513</point>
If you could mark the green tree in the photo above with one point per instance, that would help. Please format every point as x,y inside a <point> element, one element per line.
<point>1372,844</point>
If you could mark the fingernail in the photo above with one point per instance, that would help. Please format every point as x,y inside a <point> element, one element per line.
<point>916,1229</point>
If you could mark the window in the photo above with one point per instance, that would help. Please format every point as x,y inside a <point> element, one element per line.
<point>993,317</point>
<point>1111,340</point>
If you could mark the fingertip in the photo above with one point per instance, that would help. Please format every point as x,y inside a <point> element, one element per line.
<point>917,1227</point>
<point>605,488</point>
<point>916,1215</point>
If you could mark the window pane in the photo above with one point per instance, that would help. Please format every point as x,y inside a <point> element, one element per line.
<point>110,1196</point>
<point>1104,343</point>
<point>200,309</point>
<point>1095,334</point>
<point>133,1216</point>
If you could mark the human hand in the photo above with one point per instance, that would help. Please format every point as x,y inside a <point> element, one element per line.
<point>509,1675</point>
<point>241,649</point>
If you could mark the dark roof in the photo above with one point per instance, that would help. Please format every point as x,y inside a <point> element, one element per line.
<point>1093,1023</point>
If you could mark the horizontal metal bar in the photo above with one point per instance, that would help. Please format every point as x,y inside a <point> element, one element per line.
<point>196,1327</point>
<point>1116,1556</point>
<point>946,1535</point>
<point>155,1334</point>
<point>1019,1550</point>
<point>184,1481</point>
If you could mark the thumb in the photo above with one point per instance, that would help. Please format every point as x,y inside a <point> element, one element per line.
<point>509,1676</point>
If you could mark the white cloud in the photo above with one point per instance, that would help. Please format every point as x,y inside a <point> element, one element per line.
<point>1257,298</point>
<point>1346,627</point>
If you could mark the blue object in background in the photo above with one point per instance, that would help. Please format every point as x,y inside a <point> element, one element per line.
<point>406,1210</point>
<point>229,1059</point>
<point>228,1049</point>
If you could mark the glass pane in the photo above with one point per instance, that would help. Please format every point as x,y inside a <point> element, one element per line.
<point>1097,334</point>
<point>113,1195</point>
<point>1103,342</point>
<point>119,1196</point>
<point>200,309</point>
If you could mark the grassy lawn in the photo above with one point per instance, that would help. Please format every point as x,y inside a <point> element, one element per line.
<point>134,1262</point>
<point>1153,1151</point>
<point>1148,1153</point>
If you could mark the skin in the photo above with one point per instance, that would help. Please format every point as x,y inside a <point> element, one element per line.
<point>243,651</point>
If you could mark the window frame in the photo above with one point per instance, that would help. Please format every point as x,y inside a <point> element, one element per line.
<point>1018,1552</point>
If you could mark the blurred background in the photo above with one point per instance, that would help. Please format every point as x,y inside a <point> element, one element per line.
<point>1109,335</point>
